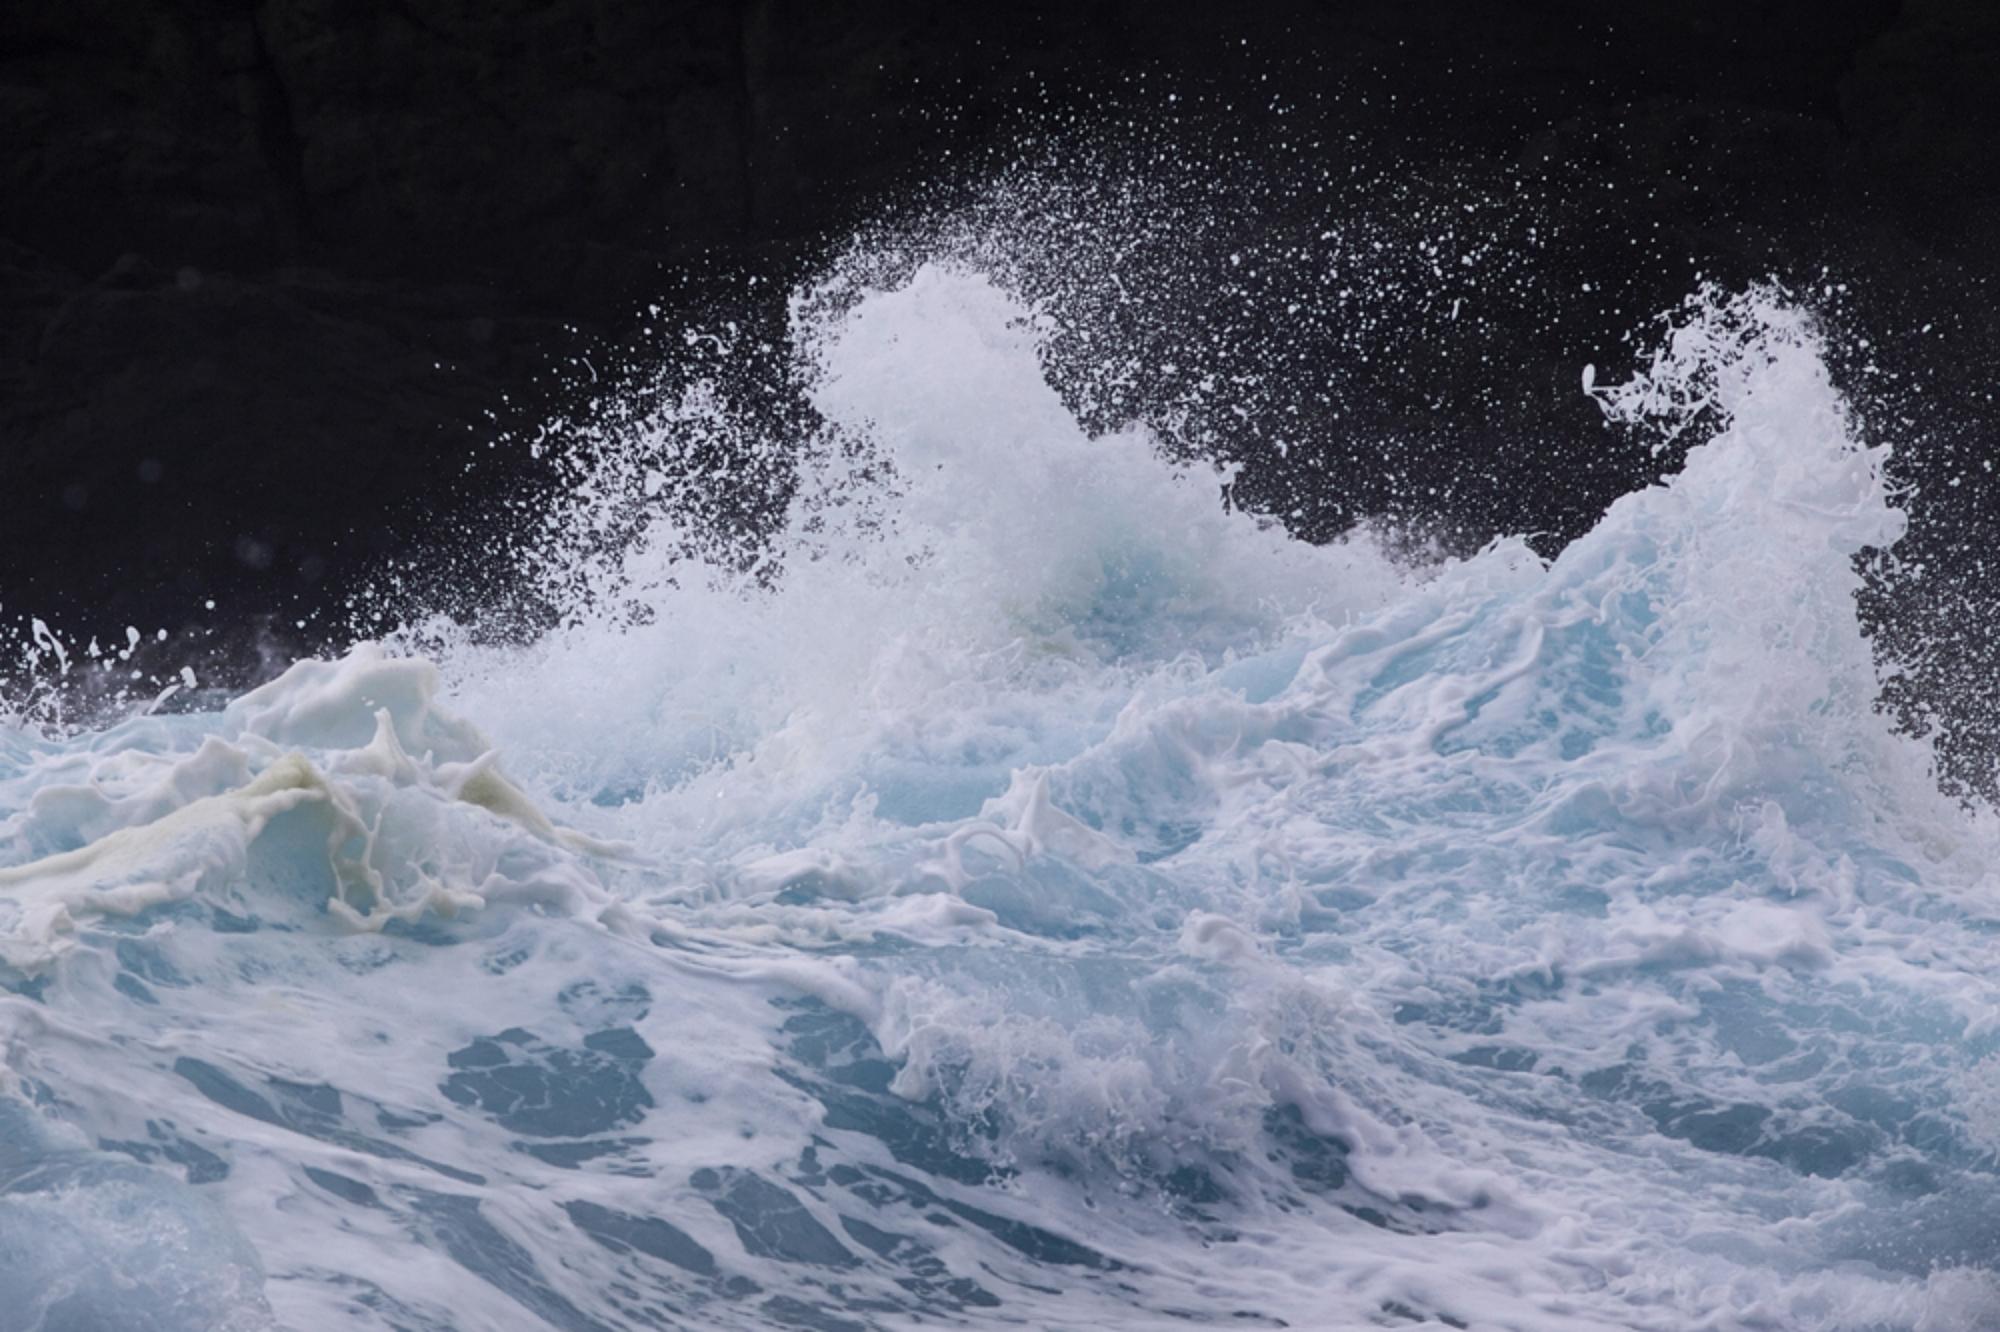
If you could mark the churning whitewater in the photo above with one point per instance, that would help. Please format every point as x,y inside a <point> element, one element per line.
<point>1029,893</point>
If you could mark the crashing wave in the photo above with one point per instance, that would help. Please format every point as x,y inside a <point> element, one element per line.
<point>1037,893</point>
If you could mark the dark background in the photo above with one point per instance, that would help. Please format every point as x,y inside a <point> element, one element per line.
<point>272,274</point>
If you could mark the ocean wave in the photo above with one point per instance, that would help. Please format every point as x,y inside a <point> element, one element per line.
<point>1029,891</point>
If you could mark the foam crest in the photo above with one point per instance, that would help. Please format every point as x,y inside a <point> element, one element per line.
<point>382,787</point>
<point>955,543</point>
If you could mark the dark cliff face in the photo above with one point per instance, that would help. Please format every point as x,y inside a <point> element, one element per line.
<point>272,273</point>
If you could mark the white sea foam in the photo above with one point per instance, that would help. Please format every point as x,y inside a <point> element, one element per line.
<point>1035,894</point>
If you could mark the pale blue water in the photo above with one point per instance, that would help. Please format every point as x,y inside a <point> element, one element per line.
<point>1049,901</point>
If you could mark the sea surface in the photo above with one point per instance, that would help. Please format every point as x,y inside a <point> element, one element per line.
<point>1030,892</point>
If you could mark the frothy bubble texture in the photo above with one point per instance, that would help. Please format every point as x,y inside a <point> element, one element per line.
<point>1024,891</point>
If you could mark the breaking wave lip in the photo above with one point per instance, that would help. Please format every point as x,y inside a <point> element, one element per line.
<point>1037,893</point>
